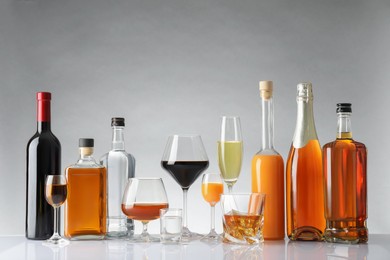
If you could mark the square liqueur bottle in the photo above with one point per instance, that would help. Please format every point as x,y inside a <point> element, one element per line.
<point>86,204</point>
<point>345,174</point>
<point>304,178</point>
<point>120,167</point>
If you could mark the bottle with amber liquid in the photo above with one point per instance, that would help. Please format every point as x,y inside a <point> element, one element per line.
<point>304,179</point>
<point>345,174</point>
<point>86,205</point>
<point>268,170</point>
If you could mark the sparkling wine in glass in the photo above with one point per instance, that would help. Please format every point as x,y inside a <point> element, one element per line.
<point>212,188</point>
<point>142,200</point>
<point>55,194</point>
<point>230,150</point>
<point>185,159</point>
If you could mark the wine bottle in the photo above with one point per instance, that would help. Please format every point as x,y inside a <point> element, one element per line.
<point>268,170</point>
<point>345,174</point>
<point>43,158</point>
<point>86,205</point>
<point>304,179</point>
<point>120,167</point>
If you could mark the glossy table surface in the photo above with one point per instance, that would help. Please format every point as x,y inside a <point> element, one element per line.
<point>18,247</point>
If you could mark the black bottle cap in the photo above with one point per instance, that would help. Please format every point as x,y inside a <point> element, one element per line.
<point>86,142</point>
<point>117,121</point>
<point>344,107</point>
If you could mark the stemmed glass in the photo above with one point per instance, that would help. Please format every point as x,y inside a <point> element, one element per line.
<point>55,194</point>
<point>212,188</point>
<point>142,200</point>
<point>230,150</point>
<point>185,159</point>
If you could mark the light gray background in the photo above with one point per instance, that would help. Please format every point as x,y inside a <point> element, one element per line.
<point>176,66</point>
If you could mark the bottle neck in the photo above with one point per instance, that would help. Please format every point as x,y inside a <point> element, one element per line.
<point>267,124</point>
<point>86,154</point>
<point>118,139</point>
<point>43,115</point>
<point>344,130</point>
<point>305,129</point>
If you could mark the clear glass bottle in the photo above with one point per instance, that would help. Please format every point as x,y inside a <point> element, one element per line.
<point>86,204</point>
<point>345,174</point>
<point>120,167</point>
<point>304,178</point>
<point>268,170</point>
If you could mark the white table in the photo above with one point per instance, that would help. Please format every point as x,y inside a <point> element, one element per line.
<point>18,247</point>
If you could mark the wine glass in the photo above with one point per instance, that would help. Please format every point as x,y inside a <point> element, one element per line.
<point>55,194</point>
<point>212,188</point>
<point>230,150</point>
<point>185,159</point>
<point>142,200</point>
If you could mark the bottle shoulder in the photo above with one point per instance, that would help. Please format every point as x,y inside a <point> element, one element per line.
<point>44,139</point>
<point>345,144</point>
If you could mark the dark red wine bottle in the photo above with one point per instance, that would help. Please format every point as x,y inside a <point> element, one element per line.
<point>43,158</point>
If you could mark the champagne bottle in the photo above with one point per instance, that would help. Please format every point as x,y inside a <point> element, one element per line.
<point>304,179</point>
<point>43,158</point>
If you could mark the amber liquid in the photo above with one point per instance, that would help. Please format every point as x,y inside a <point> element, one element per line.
<point>243,227</point>
<point>143,211</point>
<point>345,164</point>
<point>268,178</point>
<point>305,193</point>
<point>86,206</point>
<point>56,194</point>
<point>211,192</point>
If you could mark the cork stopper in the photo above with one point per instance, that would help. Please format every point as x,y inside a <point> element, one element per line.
<point>266,88</point>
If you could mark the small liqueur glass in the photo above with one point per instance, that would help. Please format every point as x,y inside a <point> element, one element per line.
<point>212,188</point>
<point>55,193</point>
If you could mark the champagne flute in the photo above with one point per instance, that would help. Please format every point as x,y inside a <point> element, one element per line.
<point>142,200</point>
<point>212,188</point>
<point>185,159</point>
<point>230,150</point>
<point>55,194</point>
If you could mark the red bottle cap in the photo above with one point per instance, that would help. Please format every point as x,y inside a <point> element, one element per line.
<point>43,96</point>
<point>43,109</point>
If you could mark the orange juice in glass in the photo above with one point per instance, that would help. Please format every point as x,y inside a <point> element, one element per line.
<point>212,188</point>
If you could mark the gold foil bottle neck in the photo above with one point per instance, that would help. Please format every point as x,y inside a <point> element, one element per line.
<point>266,88</point>
<point>305,91</point>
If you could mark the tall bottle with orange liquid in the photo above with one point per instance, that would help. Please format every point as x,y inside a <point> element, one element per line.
<point>268,170</point>
<point>304,179</point>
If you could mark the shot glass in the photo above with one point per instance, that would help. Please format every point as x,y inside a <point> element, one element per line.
<point>243,218</point>
<point>171,223</point>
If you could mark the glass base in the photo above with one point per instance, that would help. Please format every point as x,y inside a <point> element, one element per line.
<point>144,238</point>
<point>188,236</point>
<point>306,233</point>
<point>56,240</point>
<point>346,235</point>
<point>211,237</point>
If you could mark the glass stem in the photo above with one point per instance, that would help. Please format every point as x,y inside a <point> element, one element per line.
<point>213,218</point>
<point>230,188</point>
<point>56,221</point>
<point>185,208</point>
<point>144,229</point>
